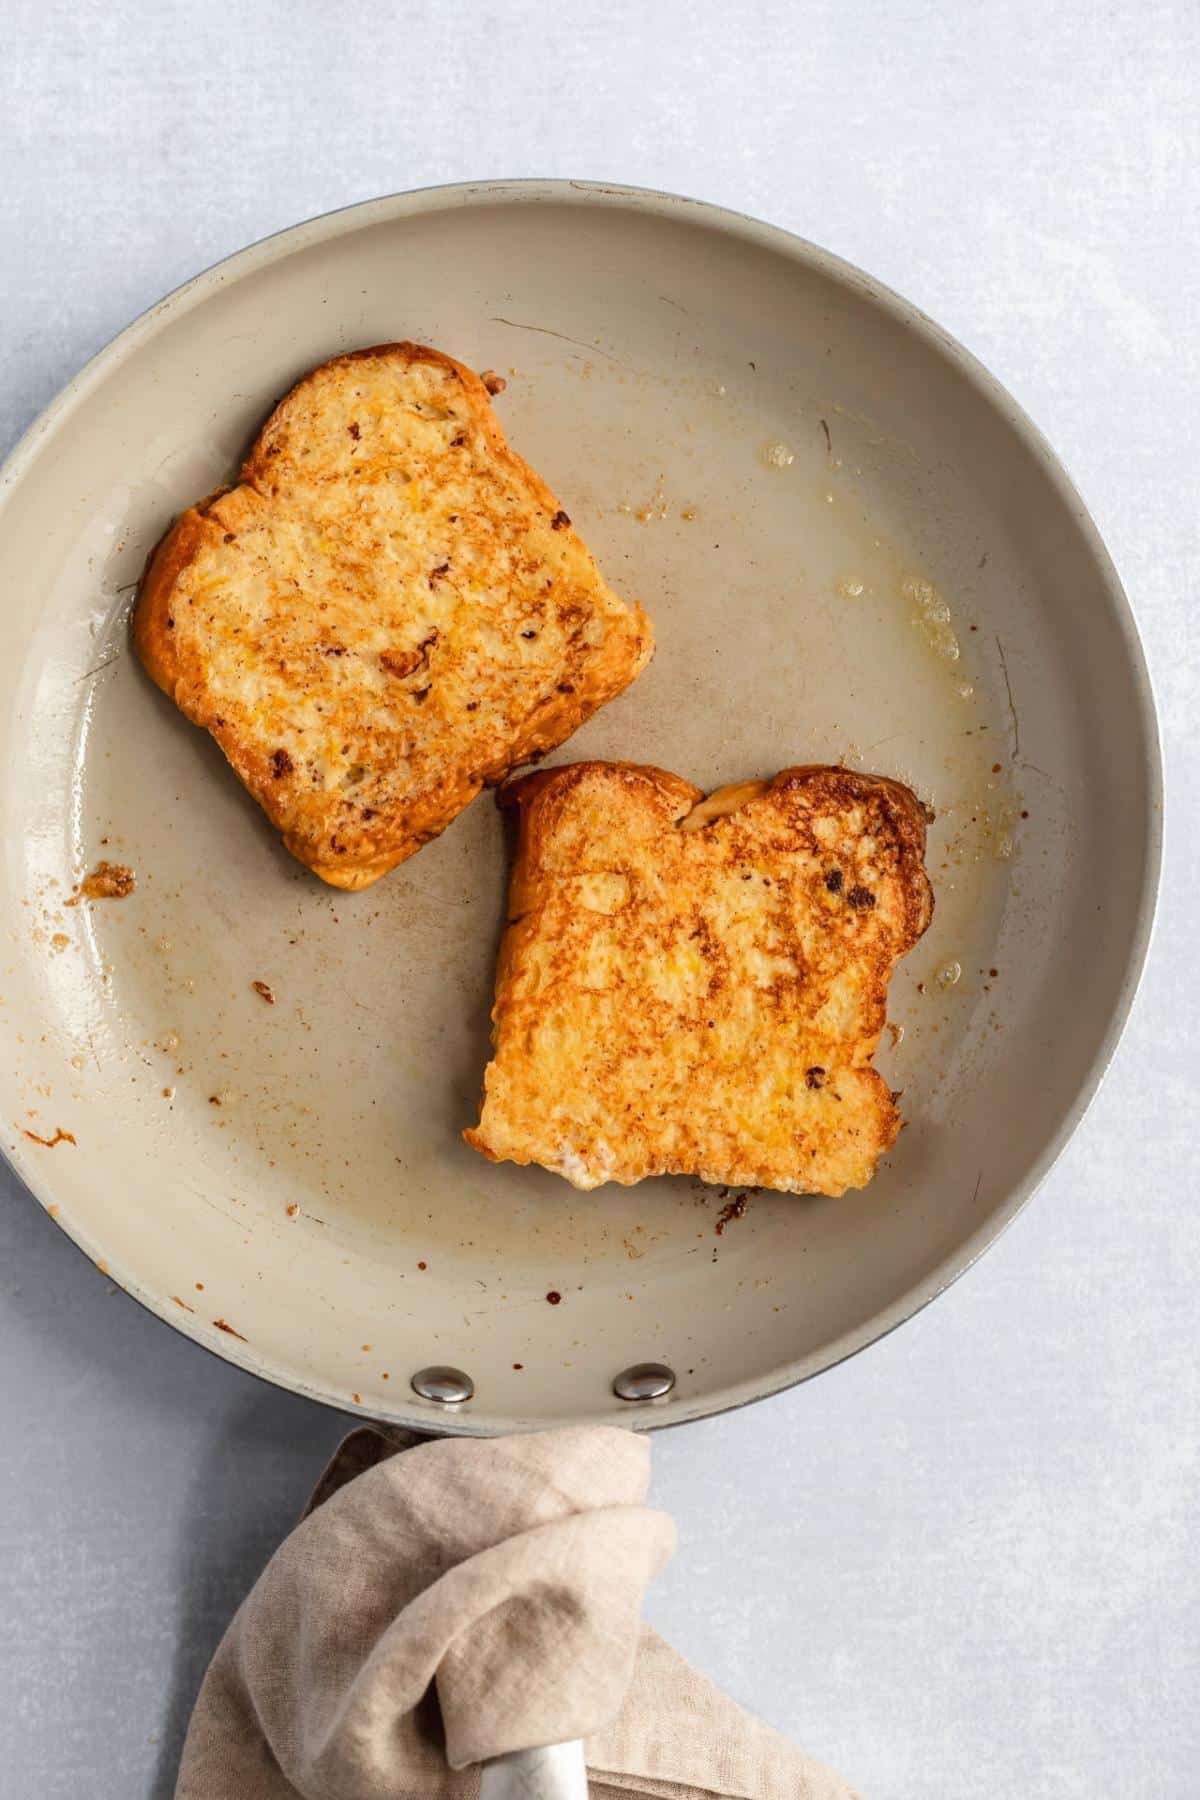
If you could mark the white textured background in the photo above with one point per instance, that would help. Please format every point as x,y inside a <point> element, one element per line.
<point>965,1564</point>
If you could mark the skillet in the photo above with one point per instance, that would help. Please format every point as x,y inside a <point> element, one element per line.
<point>819,496</point>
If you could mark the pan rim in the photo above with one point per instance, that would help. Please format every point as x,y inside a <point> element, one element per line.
<point>342,221</point>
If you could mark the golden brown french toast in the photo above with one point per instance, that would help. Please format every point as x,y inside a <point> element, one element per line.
<point>390,610</point>
<point>697,986</point>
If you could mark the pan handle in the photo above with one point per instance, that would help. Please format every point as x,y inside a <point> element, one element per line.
<point>555,1772</point>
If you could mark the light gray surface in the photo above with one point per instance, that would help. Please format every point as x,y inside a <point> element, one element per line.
<point>962,1565</point>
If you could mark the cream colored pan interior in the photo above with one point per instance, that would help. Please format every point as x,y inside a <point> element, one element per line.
<point>819,498</point>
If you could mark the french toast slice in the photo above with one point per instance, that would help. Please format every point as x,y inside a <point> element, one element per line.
<point>390,610</point>
<point>697,986</point>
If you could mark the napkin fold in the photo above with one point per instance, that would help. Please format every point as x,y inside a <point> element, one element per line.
<point>463,1598</point>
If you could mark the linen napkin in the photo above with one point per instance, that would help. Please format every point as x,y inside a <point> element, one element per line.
<point>463,1598</point>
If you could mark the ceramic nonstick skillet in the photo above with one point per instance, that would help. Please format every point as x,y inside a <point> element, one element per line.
<point>855,548</point>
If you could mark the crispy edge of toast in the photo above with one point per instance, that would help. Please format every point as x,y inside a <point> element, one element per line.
<point>533,796</point>
<point>538,796</point>
<point>549,726</point>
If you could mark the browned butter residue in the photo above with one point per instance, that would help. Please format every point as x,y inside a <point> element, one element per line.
<point>223,1325</point>
<point>733,1209</point>
<point>107,881</point>
<point>60,1137</point>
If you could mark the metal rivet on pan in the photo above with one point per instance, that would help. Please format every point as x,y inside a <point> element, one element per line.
<point>644,1381</point>
<point>449,1387</point>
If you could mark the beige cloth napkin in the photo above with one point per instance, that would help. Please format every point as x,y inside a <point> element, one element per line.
<point>464,1598</point>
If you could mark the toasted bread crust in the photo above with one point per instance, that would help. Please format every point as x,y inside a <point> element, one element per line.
<point>600,644</point>
<point>702,1001</point>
